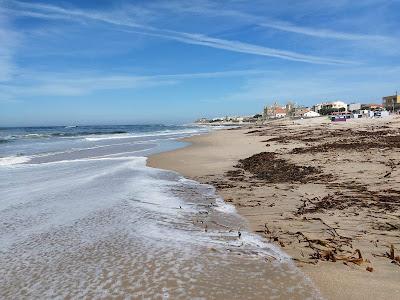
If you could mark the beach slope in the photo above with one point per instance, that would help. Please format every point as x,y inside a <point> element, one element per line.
<point>328,194</point>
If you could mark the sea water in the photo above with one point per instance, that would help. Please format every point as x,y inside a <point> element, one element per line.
<point>82,216</point>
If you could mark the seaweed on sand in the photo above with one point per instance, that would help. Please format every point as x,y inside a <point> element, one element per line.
<point>268,167</point>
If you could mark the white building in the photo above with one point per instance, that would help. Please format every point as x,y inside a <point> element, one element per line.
<point>311,114</point>
<point>354,107</point>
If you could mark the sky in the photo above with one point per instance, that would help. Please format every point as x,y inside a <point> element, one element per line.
<point>171,62</point>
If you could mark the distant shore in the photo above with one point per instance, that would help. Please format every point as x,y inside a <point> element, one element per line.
<point>328,194</point>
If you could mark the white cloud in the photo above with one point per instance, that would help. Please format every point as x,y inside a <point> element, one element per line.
<point>184,37</point>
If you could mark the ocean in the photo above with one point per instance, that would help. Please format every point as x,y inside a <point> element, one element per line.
<point>82,216</point>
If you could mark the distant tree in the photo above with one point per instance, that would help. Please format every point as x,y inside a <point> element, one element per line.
<point>329,110</point>
<point>325,111</point>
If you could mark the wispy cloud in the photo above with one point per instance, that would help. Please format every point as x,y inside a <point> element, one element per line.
<point>8,44</point>
<point>237,46</point>
<point>76,84</point>
<point>51,11</point>
<point>216,9</point>
<point>325,33</point>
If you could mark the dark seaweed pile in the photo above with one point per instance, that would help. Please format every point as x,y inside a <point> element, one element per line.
<point>268,167</point>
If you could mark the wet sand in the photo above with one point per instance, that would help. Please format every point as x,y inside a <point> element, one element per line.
<point>328,194</point>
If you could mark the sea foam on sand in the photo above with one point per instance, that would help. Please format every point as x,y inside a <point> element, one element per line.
<point>112,227</point>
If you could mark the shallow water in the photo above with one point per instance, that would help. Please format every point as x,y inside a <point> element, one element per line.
<point>103,225</point>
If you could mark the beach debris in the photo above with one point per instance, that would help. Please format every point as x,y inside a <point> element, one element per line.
<point>391,254</point>
<point>351,259</point>
<point>387,174</point>
<point>329,256</point>
<point>268,167</point>
<point>219,184</point>
<point>327,249</point>
<point>311,262</point>
<point>366,143</point>
<point>235,175</point>
<point>267,229</point>
<point>392,227</point>
<point>344,194</point>
<point>354,196</point>
<point>254,131</point>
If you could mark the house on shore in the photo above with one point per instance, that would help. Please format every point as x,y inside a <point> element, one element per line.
<point>326,108</point>
<point>300,111</point>
<point>279,112</point>
<point>391,103</point>
<point>274,112</point>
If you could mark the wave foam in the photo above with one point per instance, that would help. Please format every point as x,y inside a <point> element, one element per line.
<point>161,133</point>
<point>100,221</point>
<point>13,160</point>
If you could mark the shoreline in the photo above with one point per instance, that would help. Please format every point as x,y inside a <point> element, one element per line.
<point>278,210</point>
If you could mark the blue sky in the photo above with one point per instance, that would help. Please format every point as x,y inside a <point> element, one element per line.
<point>130,62</point>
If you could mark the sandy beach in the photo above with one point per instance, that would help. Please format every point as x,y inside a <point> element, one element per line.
<point>327,193</point>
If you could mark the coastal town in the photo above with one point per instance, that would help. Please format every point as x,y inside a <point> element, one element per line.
<point>335,110</point>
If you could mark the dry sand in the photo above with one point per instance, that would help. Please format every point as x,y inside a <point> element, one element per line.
<point>323,191</point>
